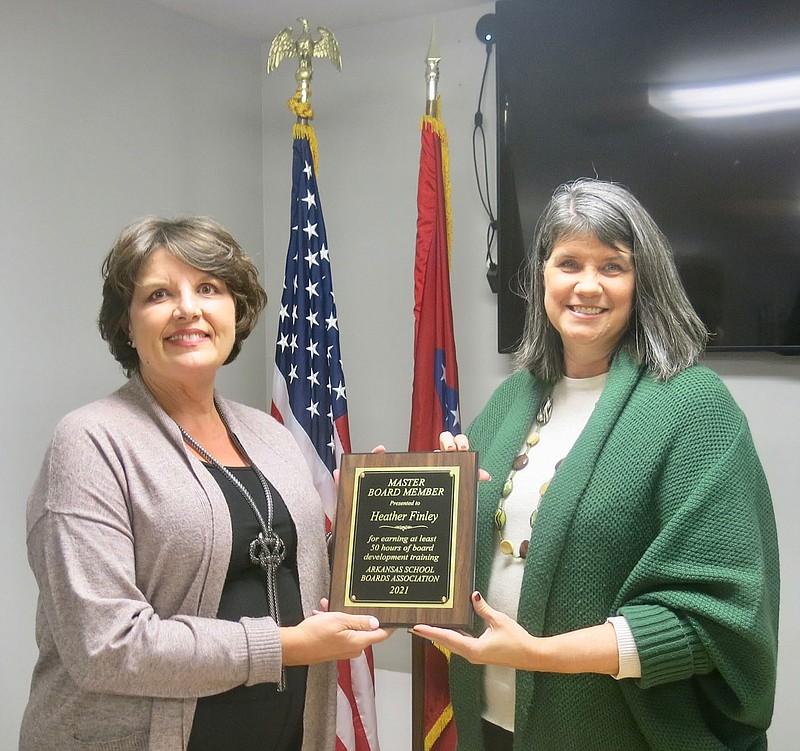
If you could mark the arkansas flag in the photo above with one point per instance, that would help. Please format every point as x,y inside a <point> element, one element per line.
<point>309,398</point>
<point>434,401</point>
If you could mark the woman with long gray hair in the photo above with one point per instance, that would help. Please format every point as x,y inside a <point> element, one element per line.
<point>626,538</point>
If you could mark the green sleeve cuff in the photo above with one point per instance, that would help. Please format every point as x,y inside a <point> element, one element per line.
<point>669,648</point>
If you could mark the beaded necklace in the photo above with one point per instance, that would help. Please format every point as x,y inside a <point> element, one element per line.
<point>520,462</point>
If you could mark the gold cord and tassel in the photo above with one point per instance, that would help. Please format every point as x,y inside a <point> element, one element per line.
<point>303,111</point>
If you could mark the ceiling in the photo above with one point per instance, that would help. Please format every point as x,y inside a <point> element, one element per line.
<point>263,19</point>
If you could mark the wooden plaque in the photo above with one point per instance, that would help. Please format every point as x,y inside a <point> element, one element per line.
<point>404,544</point>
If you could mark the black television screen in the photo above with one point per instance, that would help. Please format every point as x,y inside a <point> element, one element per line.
<point>692,104</point>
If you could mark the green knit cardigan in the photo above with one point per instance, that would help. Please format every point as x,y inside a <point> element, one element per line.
<point>660,513</point>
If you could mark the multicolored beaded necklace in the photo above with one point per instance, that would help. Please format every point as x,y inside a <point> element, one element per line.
<point>520,462</point>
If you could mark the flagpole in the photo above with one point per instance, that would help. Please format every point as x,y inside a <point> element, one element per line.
<point>434,405</point>
<point>418,644</point>
<point>432,77</point>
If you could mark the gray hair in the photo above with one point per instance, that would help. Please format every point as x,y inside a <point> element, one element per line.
<point>197,241</point>
<point>664,332</point>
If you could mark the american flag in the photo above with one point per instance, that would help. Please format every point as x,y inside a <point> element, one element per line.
<point>309,397</point>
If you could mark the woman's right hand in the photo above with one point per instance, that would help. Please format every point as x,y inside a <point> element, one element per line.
<point>330,636</point>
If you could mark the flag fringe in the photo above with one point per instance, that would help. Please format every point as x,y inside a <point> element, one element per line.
<point>446,715</point>
<point>438,727</point>
<point>300,130</point>
<point>436,125</point>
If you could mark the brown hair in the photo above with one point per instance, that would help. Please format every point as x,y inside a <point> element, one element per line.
<point>197,241</point>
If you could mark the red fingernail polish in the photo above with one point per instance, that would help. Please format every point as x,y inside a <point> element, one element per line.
<point>476,596</point>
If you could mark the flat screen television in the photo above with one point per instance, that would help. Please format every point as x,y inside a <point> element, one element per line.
<point>692,104</point>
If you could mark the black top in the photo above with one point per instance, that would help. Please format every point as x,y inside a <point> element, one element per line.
<point>254,718</point>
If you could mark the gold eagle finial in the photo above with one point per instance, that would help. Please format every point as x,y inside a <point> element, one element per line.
<point>304,47</point>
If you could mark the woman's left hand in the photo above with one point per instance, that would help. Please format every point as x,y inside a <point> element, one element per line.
<point>592,649</point>
<point>504,642</point>
<point>460,442</point>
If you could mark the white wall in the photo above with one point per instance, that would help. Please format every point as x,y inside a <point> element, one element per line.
<point>767,388</point>
<point>115,108</point>
<point>109,109</point>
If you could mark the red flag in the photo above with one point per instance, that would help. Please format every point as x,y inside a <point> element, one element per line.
<point>309,398</point>
<point>434,401</point>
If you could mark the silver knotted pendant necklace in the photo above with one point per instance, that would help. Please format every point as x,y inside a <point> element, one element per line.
<point>267,550</point>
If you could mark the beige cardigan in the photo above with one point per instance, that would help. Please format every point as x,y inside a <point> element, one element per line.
<point>129,538</point>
